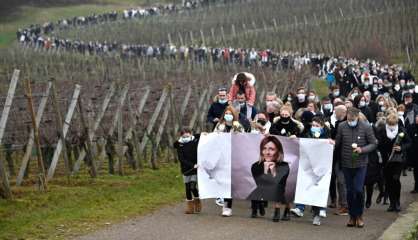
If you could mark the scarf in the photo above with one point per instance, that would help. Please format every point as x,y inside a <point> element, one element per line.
<point>391,132</point>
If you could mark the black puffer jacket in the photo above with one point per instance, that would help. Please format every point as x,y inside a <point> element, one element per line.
<point>187,153</point>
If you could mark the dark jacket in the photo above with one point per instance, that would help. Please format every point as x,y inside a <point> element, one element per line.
<point>363,136</point>
<point>385,145</point>
<point>291,128</point>
<point>187,153</point>
<point>269,187</point>
<point>244,110</point>
<point>215,111</point>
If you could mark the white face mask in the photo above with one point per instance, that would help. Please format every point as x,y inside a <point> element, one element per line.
<point>311,98</point>
<point>222,101</point>
<point>301,97</point>
<point>400,114</point>
<point>397,87</point>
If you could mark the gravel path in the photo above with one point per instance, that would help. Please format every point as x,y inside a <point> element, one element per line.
<point>171,223</point>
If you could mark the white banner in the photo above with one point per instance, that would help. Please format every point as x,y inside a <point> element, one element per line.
<point>314,175</point>
<point>226,168</point>
<point>214,161</point>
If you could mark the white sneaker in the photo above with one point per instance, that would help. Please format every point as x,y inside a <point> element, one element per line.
<point>317,221</point>
<point>219,202</point>
<point>323,213</point>
<point>226,212</point>
<point>297,212</point>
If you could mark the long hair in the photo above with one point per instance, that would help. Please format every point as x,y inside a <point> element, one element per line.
<point>279,155</point>
<point>240,81</point>
<point>232,110</point>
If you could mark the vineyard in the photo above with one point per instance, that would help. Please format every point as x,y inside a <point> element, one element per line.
<point>139,103</point>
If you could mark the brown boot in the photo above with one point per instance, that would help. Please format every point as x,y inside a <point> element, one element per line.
<point>189,207</point>
<point>360,222</point>
<point>351,222</point>
<point>197,205</point>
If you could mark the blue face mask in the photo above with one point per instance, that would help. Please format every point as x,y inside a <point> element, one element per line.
<point>222,101</point>
<point>228,117</point>
<point>352,123</point>
<point>315,130</point>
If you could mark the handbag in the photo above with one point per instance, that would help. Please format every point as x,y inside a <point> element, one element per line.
<point>396,157</point>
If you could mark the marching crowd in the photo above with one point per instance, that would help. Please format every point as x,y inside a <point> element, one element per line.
<point>36,36</point>
<point>370,115</point>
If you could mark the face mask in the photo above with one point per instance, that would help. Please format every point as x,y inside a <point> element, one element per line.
<point>400,114</point>
<point>315,129</point>
<point>186,139</point>
<point>289,99</point>
<point>301,97</point>
<point>354,95</point>
<point>375,89</point>
<point>402,84</point>
<point>362,104</point>
<point>381,103</point>
<point>222,101</point>
<point>241,104</point>
<point>366,84</point>
<point>311,98</point>
<point>284,120</point>
<point>262,121</point>
<point>352,123</point>
<point>397,87</point>
<point>228,117</point>
<point>328,106</point>
<point>336,93</point>
<point>383,108</point>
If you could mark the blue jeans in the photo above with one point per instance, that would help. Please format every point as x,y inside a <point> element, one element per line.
<point>354,181</point>
<point>315,209</point>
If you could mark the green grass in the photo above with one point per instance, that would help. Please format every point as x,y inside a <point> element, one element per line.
<point>414,233</point>
<point>84,205</point>
<point>26,15</point>
<point>320,87</point>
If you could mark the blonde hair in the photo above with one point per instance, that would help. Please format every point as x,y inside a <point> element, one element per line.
<point>288,108</point>
<point>392,119</point>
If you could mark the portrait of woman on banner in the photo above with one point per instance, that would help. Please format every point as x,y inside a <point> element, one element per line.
<point>270,172</point>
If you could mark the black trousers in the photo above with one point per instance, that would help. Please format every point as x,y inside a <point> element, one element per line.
<point>393,184</point>
<point>191,190</point>
<point>333,186</point>
<point>228,202</point>
<point>256,204</point>
<point>416,178</point>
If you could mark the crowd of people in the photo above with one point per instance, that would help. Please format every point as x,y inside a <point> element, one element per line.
<point>38,35</point>
<point>41,37</point>
<point>370,115</point>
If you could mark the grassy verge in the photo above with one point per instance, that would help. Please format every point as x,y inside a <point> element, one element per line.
<point>414,233</point>
<point>71,209</point>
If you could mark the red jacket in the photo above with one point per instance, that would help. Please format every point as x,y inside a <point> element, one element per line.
<point>249,93</point>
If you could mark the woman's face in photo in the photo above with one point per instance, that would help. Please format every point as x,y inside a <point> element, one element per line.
<point>269,151</point>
